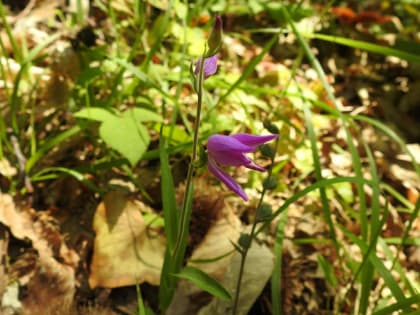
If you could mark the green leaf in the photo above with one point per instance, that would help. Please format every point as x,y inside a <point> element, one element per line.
<point>50,144</point>
<point>415,299</point>
<point>125,135</point>
<point>95,113</point>
<point>141,115</point>
<point>123,132</point>
<point>204,282</point>
<point>386,275</point>
<point>328,270</point>
<point>379,49</point>
<point>170,212</point>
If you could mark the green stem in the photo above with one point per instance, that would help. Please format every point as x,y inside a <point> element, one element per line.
<point>183,227</point>
<point>244,252</point>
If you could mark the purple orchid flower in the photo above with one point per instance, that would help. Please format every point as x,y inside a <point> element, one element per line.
<point>209,68</point>
<point>230,151</point>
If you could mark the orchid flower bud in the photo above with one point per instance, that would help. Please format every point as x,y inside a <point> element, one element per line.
<point>215,39</point>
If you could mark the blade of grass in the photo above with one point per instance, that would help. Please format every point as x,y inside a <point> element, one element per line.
<point>158,39</point>
<point>377,49</point>
<point>386,275</point>
<point>349,139</point>
<point>399,197</point>
<point>168,197</point>
<point>393,135</point>
<point>16,51</point>
<point>172,264</point>
<point>250,67</point>
<point>400,305</point>
<point>374,228</point>
<point>140,304</point>
<point>318,173</point>
<point>51,172</point>
<point>204,282</point>
<point>48,145</point>
<point>390,255</point>
<point>328,271</point>
<point>277,270</point>
<point>23,68</point>
<point>322,183</point>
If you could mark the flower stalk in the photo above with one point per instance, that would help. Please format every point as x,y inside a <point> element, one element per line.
<point>205,67</point>
<point>174,257</point>
<point>245,246</point>
<point>184,218</point>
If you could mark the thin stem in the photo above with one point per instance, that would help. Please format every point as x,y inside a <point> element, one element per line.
<point>252,234</point>
<point>184,218</point>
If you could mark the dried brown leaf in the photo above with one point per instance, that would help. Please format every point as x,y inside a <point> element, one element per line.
<point>125,251</point>
<point>53,282</point>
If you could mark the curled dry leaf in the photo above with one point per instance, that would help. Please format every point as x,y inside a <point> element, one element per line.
<point>126,251</point>
<point>53,282</point>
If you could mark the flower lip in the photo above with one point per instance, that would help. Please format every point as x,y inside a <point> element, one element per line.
<point>226,179</point>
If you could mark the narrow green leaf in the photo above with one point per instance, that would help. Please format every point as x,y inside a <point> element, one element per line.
<point>170,214</point>
<point>400,305</point>
<point>48,145</point>
<point>328,271</point>
<point>250,67</point>
<point>318,173</point>
<point>374,48</point>
<point>167,282</point>
<point>277,270</point>
<point>52,171</point>
<point>390,255</point>
<point>315,186</point>
<point>204,282</point>
<point>386,275</point>
<point>168,197</point>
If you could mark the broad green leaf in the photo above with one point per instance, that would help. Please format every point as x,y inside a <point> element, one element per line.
<point>141,114</point>
<point>125,135</point>
<point>204,282</point>
<point>95,113</point>
<point>177,134</point>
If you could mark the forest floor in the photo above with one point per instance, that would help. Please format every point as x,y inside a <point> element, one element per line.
<point>72,208</point>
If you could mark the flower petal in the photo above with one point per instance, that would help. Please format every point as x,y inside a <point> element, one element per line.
<point>230,158</point>
<point>255,166</point>
<point>227,180</point>
<point>252,140</point>
<point>209,68</point>
<point>227,144</point>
